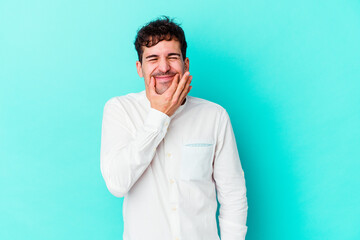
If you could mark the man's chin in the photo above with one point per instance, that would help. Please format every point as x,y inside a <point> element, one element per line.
<point>160,91</point>
<point>162,88</point>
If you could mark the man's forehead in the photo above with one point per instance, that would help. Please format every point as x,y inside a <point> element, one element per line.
<point>163,47</point>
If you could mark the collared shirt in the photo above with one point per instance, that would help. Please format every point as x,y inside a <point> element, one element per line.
<point>171,169</point>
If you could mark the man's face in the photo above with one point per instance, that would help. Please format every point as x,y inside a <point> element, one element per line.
<point>162,61</point>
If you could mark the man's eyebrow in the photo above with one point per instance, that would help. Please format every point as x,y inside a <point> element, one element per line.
<point>151,56</point>
<point>172,54</point>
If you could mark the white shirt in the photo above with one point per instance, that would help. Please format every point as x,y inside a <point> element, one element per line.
<point>169,170</point>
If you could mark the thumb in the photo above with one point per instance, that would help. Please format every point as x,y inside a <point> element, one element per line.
<point>152,85</point>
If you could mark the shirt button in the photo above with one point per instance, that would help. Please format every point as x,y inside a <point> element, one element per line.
<point>174,209</point>
<point>172,181</point>
<point>168,155</point>
<point>177,239</point>
<point>166,124</point>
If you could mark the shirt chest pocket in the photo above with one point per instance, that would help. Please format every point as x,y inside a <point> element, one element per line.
<point>196,161</point>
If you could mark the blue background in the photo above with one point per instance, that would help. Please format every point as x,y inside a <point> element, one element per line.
<point>287,72</point>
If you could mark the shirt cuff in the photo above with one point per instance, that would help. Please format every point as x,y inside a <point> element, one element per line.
<point>157,120</point>
<point>232,231</point>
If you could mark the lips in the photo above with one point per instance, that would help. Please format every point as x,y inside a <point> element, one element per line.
<point>164,79</point>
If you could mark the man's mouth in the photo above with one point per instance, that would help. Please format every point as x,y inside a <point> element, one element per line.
<point>164,79</point>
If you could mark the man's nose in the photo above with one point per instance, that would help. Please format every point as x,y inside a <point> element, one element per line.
<point>164,65</point>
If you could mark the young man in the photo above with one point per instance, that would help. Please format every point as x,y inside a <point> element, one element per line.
<point>168,153</point>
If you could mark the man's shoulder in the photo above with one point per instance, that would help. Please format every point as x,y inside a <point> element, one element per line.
<point>196,103</point>
<point>126,99</point>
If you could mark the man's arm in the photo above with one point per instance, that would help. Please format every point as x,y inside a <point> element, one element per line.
<point>126,152</point>
<point>230,184</point>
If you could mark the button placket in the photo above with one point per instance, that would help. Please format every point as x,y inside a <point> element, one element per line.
<point>171,179</point>
<point>170,159</point>
<point>175,221</point>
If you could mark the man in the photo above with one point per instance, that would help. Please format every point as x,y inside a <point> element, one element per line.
<point>169,154</point>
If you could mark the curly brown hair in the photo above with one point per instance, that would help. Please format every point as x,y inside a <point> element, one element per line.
<point>162,28</point>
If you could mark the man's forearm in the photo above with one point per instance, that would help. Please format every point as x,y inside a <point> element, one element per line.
<point>233,210</point>
<point>230,184</point>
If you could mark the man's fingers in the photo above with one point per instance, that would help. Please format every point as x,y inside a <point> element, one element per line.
<point>152,85</point>
<point>186,90</point>
<point>185,78</point>
<point>173,85</point>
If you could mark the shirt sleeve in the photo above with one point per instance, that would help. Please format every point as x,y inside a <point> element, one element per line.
<point>230,184</point>
<point>126,152</point>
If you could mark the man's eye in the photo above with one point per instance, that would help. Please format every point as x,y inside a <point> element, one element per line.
<point>152,59</point>
<point>173,58</point>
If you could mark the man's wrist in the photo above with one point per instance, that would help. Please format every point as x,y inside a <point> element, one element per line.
<point>157,119</point>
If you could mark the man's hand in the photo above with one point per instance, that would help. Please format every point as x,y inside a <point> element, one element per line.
<point>173,97</point>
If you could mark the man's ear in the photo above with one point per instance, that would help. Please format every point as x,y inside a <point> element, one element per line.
<point>139,69</point>
<point>187,64</point>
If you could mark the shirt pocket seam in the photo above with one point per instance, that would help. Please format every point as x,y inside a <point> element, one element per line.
<point>196,160</point>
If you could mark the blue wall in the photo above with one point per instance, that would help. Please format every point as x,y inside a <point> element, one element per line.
<point>287,72</point>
